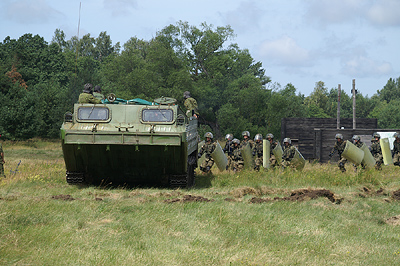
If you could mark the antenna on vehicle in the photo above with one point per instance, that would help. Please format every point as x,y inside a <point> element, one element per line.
<point>77,44</point>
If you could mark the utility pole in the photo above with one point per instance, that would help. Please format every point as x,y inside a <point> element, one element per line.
<point>354,104</point>
<point>338,107</point>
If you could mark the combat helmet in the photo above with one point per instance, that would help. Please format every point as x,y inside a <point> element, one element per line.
<point>356,138</point>
<point>229,136</point>
<point>339,136</point>
<point>257,137</point>
<point>186,94</point>
<point>269,136</point>
<point>97,88</point>
<point>246,133</point>
<point>88,88</point>
<point>288,140</point>
<point>236,141</point>
<point>208,135</point>
<point>396,135</point>
<point>376,135</point>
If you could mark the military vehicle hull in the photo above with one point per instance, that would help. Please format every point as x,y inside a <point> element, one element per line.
<point>130,146</point>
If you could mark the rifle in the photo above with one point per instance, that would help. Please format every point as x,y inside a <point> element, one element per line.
<point>16,168</point>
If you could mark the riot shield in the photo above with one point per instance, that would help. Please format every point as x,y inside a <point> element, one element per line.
<point>219,157</point>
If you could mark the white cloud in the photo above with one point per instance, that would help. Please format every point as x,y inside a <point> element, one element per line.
<point>385,13</point>
<point>245,17</point>
<point>27,12</point>
<point>362,66</point>
<point>328,11</point>
<point>120,7</point>
<point>285,51</point>
<point>378,12</point>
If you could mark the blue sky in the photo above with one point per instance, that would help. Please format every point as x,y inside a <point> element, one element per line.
<point>298,41</point>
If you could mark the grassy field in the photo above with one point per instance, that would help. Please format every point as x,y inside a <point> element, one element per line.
<point>315,217</point>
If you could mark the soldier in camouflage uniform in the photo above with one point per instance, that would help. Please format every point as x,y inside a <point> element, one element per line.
<point>190,105</point>
<point>358,143</point>
<point>87,95</point>
<point>376,151</point>
<point>207,148</point>
<point>272,160</point>
<point>258,152</point>
<point>237,159</point>
<point>2,161</point>
<point>288,152</point>
<point>339,146</point>
<point>246,140</point>
<point>396,149</point>
<point>228,150</point>
<point>97,93</point>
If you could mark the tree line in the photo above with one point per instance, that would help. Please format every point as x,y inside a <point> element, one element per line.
<point>40,81</point>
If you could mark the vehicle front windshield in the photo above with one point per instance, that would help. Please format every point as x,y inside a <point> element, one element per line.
<point>93,113</point>
<point>157,115</point>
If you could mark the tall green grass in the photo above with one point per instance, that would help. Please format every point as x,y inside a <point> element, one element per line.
<point>44,221</point>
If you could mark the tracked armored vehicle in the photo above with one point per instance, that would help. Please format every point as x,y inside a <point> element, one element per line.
<point>133,142</point>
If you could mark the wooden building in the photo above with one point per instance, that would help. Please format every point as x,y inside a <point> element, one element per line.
<point>315,137</point>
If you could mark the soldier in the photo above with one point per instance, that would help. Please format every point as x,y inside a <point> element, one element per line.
<point>376,150</point>
<point>228,150</point>
<point>87,95</point>
<point>237,159</point>
<point>246,140</point>
<point>288,152</point>
<point>396,149</point>
<point>190,105</point>
<point>97,93</point>
<point>207,148</point>
<point>258,151</point>
<point>2,161</point>
<point>272,160</point>
<point>340,144</point>
<point>358,143</point>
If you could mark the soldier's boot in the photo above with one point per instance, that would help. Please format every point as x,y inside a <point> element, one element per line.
<point>397,163</point>
<point>378,166</point>
<point>341,167</point>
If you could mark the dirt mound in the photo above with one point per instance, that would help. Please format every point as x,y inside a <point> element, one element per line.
<point>301,195</point>
<point>260,200</point>
<point>367,192</point>
<point>63,197</point>
<point>395,220</point>
<point>188,198</point>
<point>396,195</point>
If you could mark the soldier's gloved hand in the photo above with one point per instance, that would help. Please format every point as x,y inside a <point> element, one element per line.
<point>199,155</point>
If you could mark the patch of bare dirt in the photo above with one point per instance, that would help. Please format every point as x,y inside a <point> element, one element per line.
<point>368,192</point>
<point>188,198</point>
<point>63,197</point>
<point>260,200</point>
<point>396,195</point>
<point>302,195</point>
<point>395,220</point>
